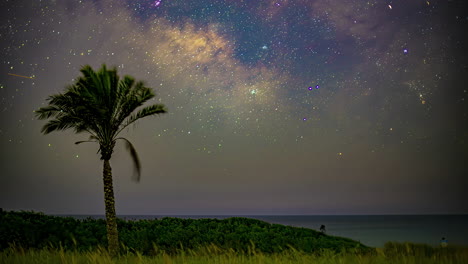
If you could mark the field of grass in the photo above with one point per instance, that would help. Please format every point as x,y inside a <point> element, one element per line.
<point>392,253</point>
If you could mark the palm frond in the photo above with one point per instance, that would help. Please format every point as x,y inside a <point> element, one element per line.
<point>83,141</point>
<point>92,138</point>
<point>47,112</point>
<point>123,89</point>
<point>134,156</point>
<point>135,98</point>
<point>124,86</point>
<point>147,111</point>
<point>58,124</point>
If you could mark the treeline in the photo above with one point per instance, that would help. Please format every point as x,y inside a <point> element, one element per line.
<point>37,230</point>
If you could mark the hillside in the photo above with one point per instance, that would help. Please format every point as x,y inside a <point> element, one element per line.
<point>37,230</point>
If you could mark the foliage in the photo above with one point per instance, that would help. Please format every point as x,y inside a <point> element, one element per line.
<point>167,235</point>
<point>102,105</point>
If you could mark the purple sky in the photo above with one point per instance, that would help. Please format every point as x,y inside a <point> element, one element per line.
<point>385,132</point>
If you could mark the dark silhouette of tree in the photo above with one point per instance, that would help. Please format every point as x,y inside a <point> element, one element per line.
<point>102,105</point>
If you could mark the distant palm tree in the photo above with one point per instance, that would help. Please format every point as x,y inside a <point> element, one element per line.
<point>101,104</point>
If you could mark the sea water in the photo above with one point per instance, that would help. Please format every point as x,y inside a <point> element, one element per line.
<point>371,230</point>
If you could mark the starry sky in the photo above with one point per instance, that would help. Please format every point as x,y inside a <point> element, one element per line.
<point>275,107</point>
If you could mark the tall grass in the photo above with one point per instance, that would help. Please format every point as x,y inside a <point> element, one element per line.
<point>405,253</point>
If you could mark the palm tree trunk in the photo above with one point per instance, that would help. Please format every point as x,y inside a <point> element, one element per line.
<point>111,219</point>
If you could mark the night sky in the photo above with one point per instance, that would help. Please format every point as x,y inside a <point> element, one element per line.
<point>275,107</point>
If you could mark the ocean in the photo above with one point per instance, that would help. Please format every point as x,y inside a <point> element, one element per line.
<point>371,230</point>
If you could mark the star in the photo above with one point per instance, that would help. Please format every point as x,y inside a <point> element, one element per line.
<point>244,78</point>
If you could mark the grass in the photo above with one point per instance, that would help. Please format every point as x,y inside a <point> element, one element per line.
<point>406,253</point>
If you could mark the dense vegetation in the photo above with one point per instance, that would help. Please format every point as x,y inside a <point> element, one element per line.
<point>28,237</point>
<point>30,230</point>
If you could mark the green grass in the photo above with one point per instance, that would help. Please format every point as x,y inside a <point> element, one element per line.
<point>392,253</point>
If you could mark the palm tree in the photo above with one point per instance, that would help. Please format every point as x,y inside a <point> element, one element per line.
<point>102,105</point>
